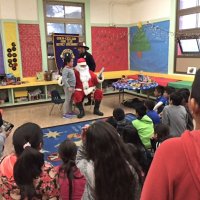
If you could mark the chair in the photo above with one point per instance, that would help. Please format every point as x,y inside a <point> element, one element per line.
<point>56,100</point>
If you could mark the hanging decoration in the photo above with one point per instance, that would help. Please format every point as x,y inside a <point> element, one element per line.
<point>140,42</point>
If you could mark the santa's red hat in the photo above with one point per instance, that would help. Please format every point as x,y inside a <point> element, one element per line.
<point>81,61</point>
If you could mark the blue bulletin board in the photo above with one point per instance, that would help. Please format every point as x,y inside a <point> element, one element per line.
<point>63,44</point>
<point>149,46</point>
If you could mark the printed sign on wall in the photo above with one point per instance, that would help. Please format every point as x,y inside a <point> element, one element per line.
<point>64,44</point>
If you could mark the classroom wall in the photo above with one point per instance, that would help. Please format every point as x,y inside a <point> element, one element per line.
<point>143,10</point>
<point>108,13</point>
<point>100,13</point>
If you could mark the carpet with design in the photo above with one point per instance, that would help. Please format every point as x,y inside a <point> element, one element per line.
<point>53,136</point>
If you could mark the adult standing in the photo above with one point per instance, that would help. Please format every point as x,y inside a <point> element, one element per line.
<point>82,49</point>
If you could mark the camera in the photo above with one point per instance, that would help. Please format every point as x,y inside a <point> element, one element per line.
<point>7,126</point>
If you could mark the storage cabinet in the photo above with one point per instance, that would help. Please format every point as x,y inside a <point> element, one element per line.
<point>28,93</point>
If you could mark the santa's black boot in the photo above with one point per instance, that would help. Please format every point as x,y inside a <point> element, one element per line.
<point>96,108</point>
<point>81,110</point>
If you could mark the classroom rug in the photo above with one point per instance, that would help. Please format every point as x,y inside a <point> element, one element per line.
<point>53,136</point>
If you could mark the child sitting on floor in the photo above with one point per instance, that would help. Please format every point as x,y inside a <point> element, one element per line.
<point>185,93</point>
<point>168,90</point>
<point>161,133</point>
<point>71,181</point>
<point>144,126</point>
<point>140,153</point>
<point>119,116</point>
<point>174,115</point>
<point>152,113</point>
<point>161,101</point>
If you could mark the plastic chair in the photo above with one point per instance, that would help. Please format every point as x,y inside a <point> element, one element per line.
<point>56,100</point>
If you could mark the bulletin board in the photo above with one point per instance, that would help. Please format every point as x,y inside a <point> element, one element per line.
<point>110,48</point>
<point>12,48</point>
<point>30,44</point>
<point>65,44</point>
<point>149,46</point>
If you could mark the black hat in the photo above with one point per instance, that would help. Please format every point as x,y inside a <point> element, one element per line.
<point>13,44</point>
<point>14,68</point>
<point>14,55</point>
<point>14,48</point>
<point>82,44</point>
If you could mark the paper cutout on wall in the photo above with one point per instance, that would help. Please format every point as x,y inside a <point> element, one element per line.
<point>29,35</point>
<point>156,59</point>
<point>12,48</point>
<point>140,42</point>
<point>2,70</point>
<point>110,48</point>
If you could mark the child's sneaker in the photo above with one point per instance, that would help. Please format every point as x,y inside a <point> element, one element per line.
<point>67,116</point>
<point>72,114</point>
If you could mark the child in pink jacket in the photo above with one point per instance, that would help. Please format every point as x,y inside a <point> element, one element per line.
<point>71,181</point>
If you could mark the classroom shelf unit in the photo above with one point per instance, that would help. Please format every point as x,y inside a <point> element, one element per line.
<point>27,93</point>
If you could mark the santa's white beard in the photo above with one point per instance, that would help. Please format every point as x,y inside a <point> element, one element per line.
<point>84,73</point>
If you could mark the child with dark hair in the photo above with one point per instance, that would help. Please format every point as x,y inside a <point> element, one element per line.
<point>142,155</point>
<point>161,133</point>
<point>161,101</point>
<point>185,93</point>
<point>119,116</point>
<point>168,90</point>
<point>175,115</point>
<point>108,166</point>
<point>25,175</point>
<point>112,121</point>
<point>149,104</point>
<point>69,82</point>
<point>71,181</point>
<point>175,167</point>
<point>144,125</point>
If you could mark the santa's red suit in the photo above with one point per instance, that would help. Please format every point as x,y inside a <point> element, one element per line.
<point>86,82</point>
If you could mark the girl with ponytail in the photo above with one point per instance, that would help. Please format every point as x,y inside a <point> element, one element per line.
<point>24,175</point>
<point>71,181</point>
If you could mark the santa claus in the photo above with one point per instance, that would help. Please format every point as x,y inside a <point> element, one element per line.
<point>86,82</point>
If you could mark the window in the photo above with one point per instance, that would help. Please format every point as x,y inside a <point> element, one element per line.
<point>187,34</point>
<point>63,17</point>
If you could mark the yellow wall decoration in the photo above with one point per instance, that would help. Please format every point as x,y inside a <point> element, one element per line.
<point>12,48</point>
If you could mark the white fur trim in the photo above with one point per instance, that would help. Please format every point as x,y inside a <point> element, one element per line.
<point>60,83</point>
<point>100,80</point>
<point>82,63</point>
<point>89,90</point>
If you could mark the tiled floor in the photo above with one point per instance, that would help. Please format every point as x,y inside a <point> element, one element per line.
<point>39,113</point>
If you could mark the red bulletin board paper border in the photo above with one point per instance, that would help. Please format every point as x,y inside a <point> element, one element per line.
<point>31,54</point>
<point>110,48</point>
